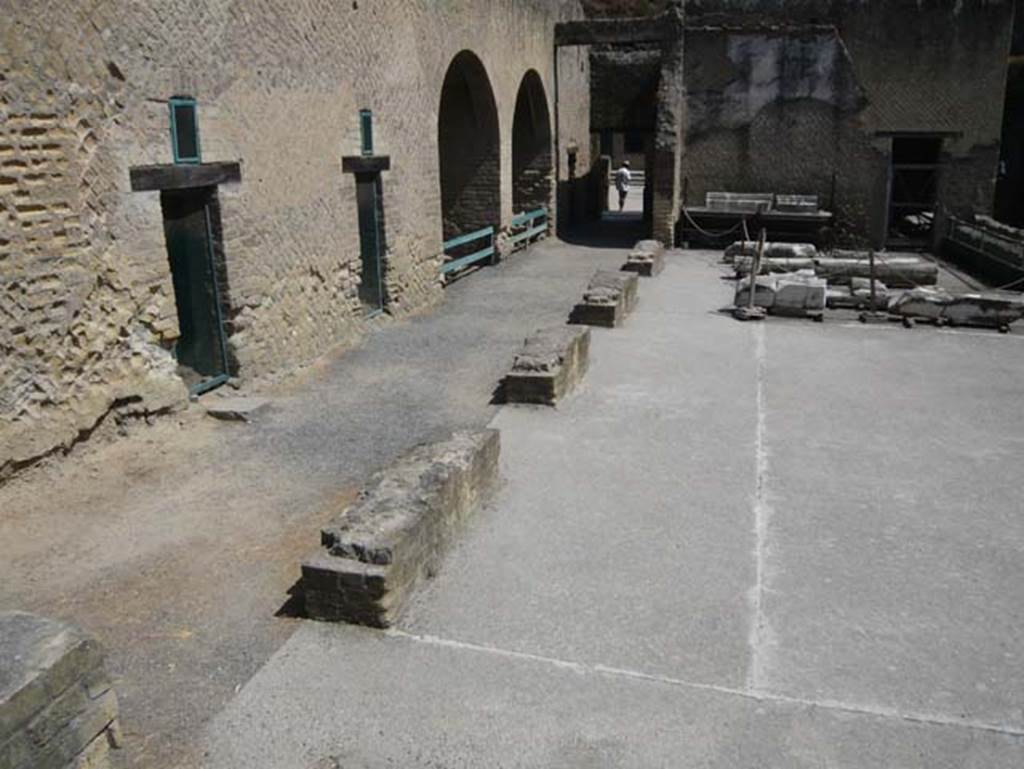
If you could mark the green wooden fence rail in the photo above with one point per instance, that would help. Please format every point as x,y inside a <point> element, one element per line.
<point>529,221</point>
<point>476,256</point>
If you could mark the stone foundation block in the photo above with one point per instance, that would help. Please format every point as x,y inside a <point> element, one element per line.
<point>609,298</point>
<point>549,366</point>
<point>375,552</point>
<point>782,251</point>
<point>57,706</point>
<point>646,259</point>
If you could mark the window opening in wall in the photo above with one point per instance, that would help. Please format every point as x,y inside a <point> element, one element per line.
<point>366,131</point>
<point>201,348</point>
<point>370,204</point>
<point>913,189</point>
<point>184,130</point>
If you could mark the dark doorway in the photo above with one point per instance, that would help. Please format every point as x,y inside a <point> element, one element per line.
<point>470,150</point>
<point>188,228</point>
<point>369,200</point>
<point>532,170</point>
<point>913,188</point>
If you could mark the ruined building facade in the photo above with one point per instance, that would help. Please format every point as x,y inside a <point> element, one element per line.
<point>226,166</point>
<point>878,108</point>
<point>192,191</point>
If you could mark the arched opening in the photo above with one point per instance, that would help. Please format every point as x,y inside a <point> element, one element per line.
<point>470,150</point>
<point>532,171</point>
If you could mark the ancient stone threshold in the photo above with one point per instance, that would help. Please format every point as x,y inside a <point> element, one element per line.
<point>57,706</point>
<point>377,551</point>
<point>609,298</point>
<point>549,366</point>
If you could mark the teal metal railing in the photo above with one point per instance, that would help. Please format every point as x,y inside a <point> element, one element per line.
<point>487,233</point>
<point>527,226</point>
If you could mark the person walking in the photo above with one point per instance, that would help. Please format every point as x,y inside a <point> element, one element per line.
<point>622,179</point>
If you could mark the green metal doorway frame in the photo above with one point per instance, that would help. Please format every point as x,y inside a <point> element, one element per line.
<point>370,205</point>
<point>196,278</point>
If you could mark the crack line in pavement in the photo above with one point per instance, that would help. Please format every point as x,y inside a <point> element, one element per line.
<point>760,633</point>
<point>582,668</point>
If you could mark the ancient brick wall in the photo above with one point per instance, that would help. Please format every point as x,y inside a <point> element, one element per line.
<point>87,301</point>
<point>532,162</point>
<point>932,68</point>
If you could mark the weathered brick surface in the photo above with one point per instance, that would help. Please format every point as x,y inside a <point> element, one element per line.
<point>609,298</point>
<point>87,303</point>
<point>380,548</point>
<point>551,363</point>
<point>57,707</point>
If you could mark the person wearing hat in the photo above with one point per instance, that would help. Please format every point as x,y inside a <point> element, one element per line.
<point>622,180</point>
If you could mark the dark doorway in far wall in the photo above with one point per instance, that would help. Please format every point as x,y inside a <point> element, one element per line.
<point>913,189</point>
<point>370,203</point>
<point>189,227</point>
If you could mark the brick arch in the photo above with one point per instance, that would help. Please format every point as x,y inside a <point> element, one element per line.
<point>469,145</point>
<point>532,168</point>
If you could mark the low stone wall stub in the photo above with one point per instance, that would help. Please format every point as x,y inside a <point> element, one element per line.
<point>647,259</point>
<point>609,298</point>
<point>376,551</point>
<point>551,363</point>
<point>57,706</point>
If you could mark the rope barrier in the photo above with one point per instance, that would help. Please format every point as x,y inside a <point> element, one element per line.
<point>707,234</point>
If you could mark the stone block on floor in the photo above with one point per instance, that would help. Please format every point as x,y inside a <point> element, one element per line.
<point>646,259</point>
<point>238,409</point>
<point>377,550</point>
<point>57,706</point>
<point>551,363</point>
<point>609,298</point>
<point>796,294</point>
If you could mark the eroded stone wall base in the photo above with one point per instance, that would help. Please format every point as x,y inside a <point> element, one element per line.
<point>609,298</point>
<point>376,551</point>
<point>550,365</point>
<point>647,259</point>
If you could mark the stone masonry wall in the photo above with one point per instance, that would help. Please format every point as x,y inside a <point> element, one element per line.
<point>87,302</point>
<point>937,67</point>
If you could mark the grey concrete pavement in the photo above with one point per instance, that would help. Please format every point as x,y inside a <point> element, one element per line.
<point>357,699</point>
<point>782,545</point>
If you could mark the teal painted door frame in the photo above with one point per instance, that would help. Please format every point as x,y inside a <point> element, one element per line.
<point>201,349</point>
<point>370,205</point>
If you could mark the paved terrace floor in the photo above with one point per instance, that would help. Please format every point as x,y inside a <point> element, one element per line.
<point>768,545</point>
<point>177,545</point>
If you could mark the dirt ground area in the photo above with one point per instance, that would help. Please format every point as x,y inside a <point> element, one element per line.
<point>177,543</point>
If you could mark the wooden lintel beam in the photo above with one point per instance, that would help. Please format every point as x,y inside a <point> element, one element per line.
<point>365,164</point>
<point>182,176</point>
